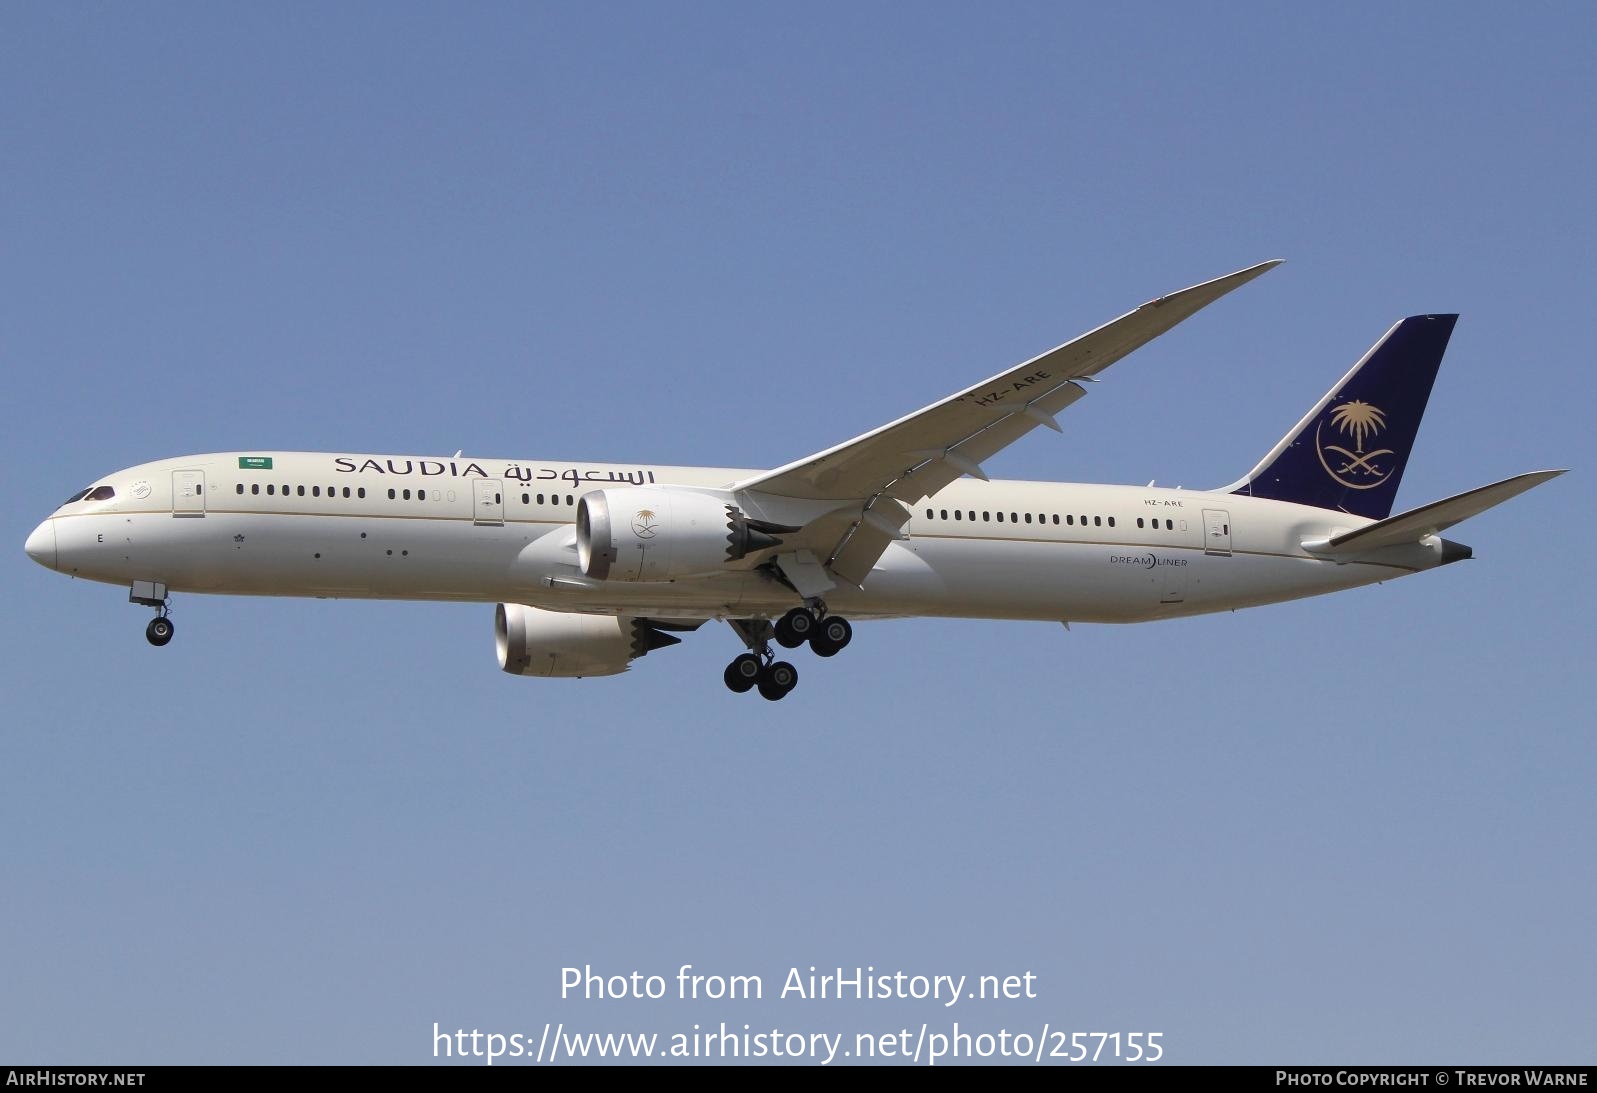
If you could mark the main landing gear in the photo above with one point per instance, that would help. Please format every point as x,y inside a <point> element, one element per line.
<point>774,679</point>
<point>826,635</point>
<point>153,594</point>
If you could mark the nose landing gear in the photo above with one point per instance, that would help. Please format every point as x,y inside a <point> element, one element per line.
<point>153,594</point>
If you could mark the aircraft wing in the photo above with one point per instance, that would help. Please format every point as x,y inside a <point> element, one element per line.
<point>874,476</point>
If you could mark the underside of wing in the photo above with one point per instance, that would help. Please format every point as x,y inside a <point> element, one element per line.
<point>873,477</point>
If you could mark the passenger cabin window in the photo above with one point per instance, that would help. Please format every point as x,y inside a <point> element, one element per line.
<point>241,487</point>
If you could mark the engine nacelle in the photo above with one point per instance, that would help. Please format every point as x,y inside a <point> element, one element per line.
<point>649,533</point>
<point>535,642</point>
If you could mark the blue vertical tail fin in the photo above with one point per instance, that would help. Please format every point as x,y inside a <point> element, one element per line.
<point>1349,452</point>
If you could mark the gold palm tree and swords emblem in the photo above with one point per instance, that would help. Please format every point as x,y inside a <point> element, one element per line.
<point>1357,469</point>
<point>643,524</point>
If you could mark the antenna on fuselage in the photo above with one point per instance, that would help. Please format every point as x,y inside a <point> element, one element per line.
<point>458,454</point>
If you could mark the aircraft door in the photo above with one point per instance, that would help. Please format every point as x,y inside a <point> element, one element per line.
<point>1217,532</point>
<point>188,493</point>
<point>488,502</point>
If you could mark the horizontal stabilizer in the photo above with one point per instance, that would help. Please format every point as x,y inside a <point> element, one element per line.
<point>1416,524</point>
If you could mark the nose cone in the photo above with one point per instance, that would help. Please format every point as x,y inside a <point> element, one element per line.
<point>41,544</point>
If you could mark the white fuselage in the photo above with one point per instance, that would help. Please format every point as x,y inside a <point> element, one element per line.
<point>491,530</point>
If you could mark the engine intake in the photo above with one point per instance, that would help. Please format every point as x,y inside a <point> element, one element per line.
<point>652,534</point>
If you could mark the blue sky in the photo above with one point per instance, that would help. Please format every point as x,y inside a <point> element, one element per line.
<point>1356,829</point>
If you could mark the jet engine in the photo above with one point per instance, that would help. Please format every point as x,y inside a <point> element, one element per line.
<point>654,534</point>
<point>535,642</point>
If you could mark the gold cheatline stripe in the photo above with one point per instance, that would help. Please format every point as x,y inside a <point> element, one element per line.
<point>286,512</point>
<point>1190,549</point>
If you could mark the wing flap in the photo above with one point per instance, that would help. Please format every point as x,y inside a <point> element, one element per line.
<point>858,552</point>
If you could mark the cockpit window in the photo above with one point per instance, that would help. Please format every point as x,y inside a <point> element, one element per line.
<point>93,492</point>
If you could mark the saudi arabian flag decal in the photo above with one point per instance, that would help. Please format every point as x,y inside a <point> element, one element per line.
<point>254,462</point>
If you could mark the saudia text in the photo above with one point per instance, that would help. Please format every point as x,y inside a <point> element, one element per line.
<point>432,468</point>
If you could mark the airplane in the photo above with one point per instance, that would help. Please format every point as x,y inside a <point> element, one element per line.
<point>595,565</point>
